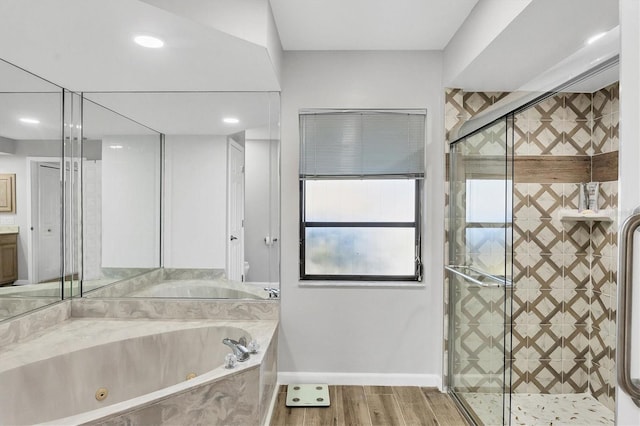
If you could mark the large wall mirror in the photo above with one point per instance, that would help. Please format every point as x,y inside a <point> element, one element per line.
<point>211,230</point>
<point>31,134</point>
<point>121,197</point>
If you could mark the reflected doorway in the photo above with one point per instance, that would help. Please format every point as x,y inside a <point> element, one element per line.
<point>235,244</point>
<point>45,220</point>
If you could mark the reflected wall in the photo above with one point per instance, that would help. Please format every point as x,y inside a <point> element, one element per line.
<point>135,194</point>
<point>215,173</point>
<point>120,197</point>
<point>31,216</point>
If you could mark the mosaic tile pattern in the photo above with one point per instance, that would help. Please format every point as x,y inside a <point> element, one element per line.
<point>540,409</point>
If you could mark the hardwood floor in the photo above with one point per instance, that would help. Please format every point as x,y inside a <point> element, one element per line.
<point>372,405</point>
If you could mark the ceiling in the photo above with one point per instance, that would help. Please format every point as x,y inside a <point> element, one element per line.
<point>228,45</point>
<point>86,45</point>
<point>369,24</point>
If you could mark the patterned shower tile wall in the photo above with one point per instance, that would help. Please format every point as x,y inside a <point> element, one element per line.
<point>478,363</point>
<point>604,249</point>
<point>551,299</point>
<point>565,273</point>
<point>564,320</point>
<point>559,125</point>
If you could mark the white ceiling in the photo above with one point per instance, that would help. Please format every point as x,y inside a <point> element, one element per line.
<point>85,45</point>
<point>368,24</point>
<point>188,113</point>
<point>544,34</point>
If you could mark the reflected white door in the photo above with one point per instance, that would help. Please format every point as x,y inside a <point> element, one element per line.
<point>48,222</point>
<point>235,216</point>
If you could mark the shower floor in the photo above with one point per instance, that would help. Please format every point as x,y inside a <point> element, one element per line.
<point>541,409</point>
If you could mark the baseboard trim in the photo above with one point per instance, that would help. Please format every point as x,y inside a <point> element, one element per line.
<point>361,379</point>
<point>272,405</point>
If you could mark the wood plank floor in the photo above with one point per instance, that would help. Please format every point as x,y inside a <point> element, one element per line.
<point>372,405</point>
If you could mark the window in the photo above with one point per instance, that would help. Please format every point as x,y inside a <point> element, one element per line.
<point>361,185</point>
<point>488,223</point>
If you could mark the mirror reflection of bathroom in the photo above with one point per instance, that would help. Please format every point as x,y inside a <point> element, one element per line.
<point>30,191</point>
<point>213,225</point>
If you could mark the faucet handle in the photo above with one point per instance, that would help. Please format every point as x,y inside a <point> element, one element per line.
<point>230,361</point>
<point>273,292</point>
<point>254,346</point>
<point>243,341</point>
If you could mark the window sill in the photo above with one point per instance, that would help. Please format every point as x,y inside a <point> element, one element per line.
<point>358,284</point>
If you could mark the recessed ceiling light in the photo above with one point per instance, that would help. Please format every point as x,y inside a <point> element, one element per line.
<point>148,41</point>
<point>115,146</point>
<point>28,120</point>
<point>595,38</point>
<point>231,120</point>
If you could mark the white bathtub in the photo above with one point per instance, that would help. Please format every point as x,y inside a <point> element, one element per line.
<point>143,364</point>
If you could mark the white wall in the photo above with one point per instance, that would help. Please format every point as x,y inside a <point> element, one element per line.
<point>196,201</point>
<point>91,219</point>
<point>629,193</point>
<point>260,174</point>
<point>131,202</point>
<point>362,335</point>
<point>485,22</point>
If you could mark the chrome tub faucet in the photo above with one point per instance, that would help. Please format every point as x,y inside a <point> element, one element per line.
<point>239,348</point>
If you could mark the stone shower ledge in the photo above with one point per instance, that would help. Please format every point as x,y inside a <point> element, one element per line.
<point>584,216</point>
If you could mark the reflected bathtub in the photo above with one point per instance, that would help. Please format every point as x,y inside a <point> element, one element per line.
<point>114,371</point>
<point>200,289</point>
<point>183,283</point>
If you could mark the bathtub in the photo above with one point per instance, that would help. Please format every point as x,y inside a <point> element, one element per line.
<point>204,289</point>
<point>183,283</point>
<point>117,371</point>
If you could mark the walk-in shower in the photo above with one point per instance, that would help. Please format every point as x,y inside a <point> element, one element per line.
<point>531,279</point>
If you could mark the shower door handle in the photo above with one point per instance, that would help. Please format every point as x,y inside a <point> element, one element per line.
<point>630,385</point>
<point>495,281</point>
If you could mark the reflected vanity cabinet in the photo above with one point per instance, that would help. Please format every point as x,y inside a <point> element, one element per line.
<point>8,258</point>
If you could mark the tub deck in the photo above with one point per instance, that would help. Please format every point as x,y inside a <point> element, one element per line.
<point>79,334</point>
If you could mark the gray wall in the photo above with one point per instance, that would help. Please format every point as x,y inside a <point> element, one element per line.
<point>380,334</point>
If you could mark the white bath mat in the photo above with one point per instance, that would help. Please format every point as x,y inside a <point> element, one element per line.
<point>308,395</point>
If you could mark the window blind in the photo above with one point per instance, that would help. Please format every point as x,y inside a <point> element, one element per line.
<point>362,143</point>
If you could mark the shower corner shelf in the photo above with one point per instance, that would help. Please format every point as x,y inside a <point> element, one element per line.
<point>573,215</point>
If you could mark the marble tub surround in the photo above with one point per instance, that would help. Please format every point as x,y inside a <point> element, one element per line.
<point>51,290</point>
<point>12,306</point>
<point>200,289</point>
<point>140,308</point>
<point>126,285</point>
<point>24,326</point>
<point>181,283</point>
<point>123,273</point>
<point>192,274</point>
<point>114,353</point>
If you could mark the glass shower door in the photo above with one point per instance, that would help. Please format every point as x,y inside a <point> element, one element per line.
<point>479,272</point>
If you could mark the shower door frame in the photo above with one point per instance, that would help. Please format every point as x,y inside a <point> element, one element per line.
<point>506,285</point>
